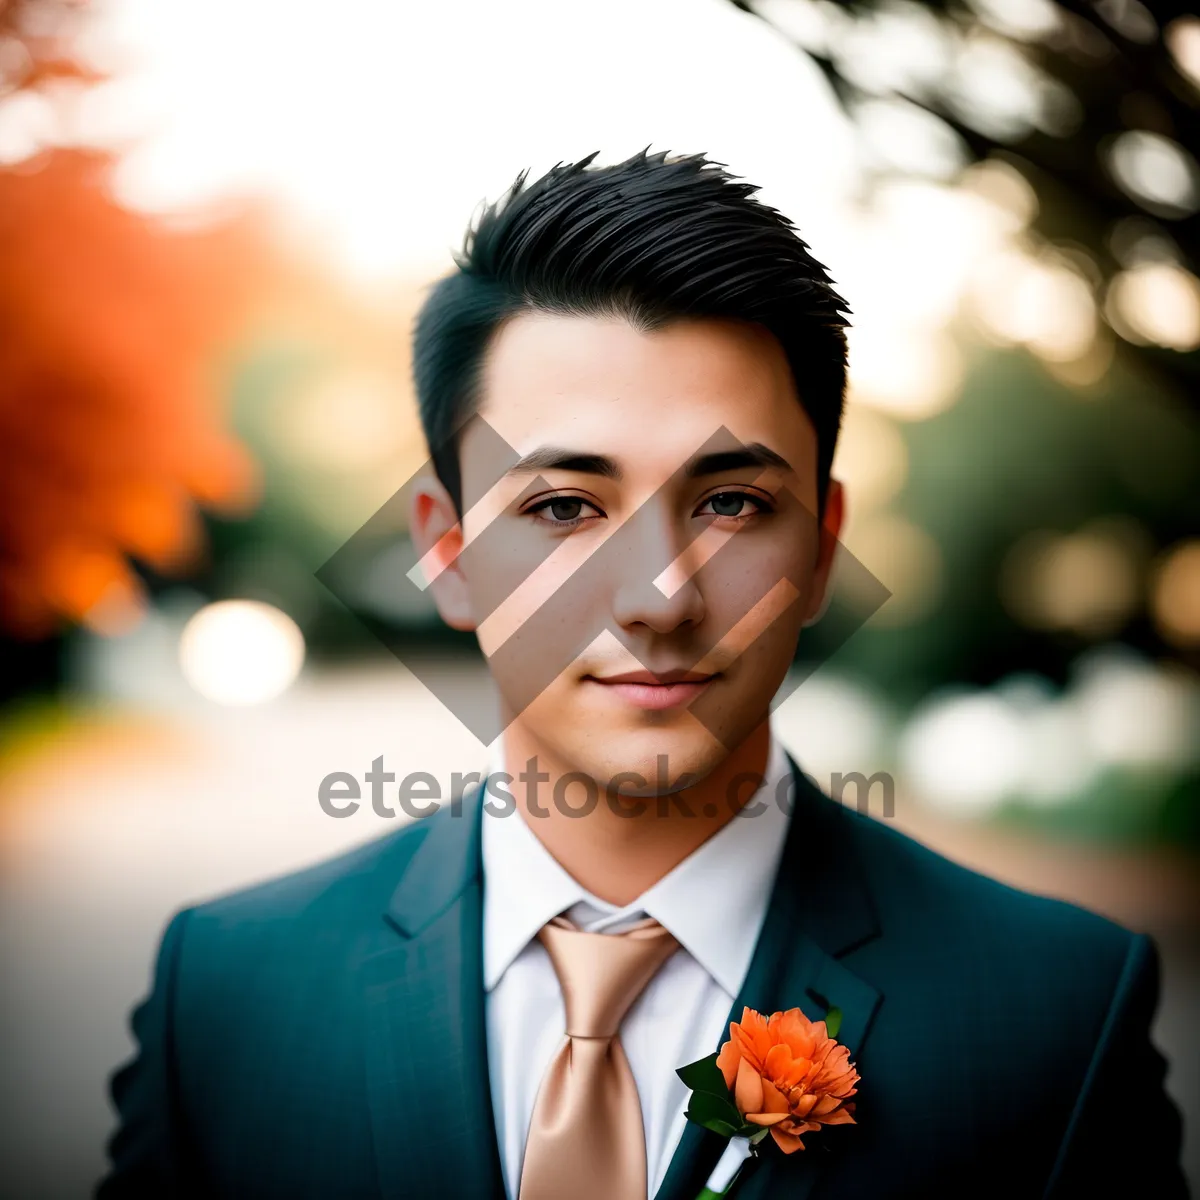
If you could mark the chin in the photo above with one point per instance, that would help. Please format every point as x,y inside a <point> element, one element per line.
<point>604,744</point>
<point>693,753</point>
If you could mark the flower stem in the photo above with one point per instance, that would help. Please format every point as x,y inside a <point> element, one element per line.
<point>709,1194</point>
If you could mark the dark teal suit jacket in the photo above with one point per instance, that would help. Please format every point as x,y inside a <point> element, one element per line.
<point>322,1036</point>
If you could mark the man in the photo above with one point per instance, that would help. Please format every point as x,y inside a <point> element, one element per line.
<point>632,387</point>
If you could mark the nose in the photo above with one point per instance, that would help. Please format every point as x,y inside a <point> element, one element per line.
<point>655,577</point>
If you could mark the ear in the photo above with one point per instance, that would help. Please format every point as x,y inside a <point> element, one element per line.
<point>831,528</point>
<point>438,537</point>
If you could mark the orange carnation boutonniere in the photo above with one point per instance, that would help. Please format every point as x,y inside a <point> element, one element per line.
<point>781,1075</point>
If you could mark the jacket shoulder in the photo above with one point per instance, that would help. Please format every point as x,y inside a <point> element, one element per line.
<point>365,874</point>
<point>919,891</point>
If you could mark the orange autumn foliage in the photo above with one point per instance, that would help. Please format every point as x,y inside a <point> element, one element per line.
<point>787,1074</point>
<point>111,430</point>
<point>110,426</point>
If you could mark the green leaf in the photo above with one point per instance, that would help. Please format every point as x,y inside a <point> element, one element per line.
<point>722,1127</point>
<point>833,1022</point>
<point>704,1075</point>
<point>704,1107</point>
<point>709,1194</point>
<point>755,1138</point>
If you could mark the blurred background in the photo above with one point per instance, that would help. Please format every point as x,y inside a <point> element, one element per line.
<point>216,224</point>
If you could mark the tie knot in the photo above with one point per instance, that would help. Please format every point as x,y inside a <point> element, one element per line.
<point>602,974</point>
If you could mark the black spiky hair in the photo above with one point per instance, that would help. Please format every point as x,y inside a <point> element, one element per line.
<point>652,239</point>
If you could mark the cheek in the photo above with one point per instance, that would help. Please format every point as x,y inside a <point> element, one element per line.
<point>505,596</point>
<point>755,581</point>
<point>542,611</point>
<point>511,575</point>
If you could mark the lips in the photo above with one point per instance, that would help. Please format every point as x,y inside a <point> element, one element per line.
<point>654,677</point>
<point>653,690</point>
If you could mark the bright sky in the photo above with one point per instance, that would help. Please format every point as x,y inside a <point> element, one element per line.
<point>381,124</point>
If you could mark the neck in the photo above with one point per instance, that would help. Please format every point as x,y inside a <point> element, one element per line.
<point>626,844</point>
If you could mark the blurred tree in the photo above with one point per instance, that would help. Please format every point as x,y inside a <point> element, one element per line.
<point>1096,104</point>
<point>110,323</point>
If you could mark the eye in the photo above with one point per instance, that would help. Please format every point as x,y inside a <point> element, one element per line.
<point>733,504</point>
<point>562,511</point>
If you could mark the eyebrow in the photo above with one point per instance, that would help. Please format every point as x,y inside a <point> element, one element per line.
<point>554,458</point>
<point>753,455</point>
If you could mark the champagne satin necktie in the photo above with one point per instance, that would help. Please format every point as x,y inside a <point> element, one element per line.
<point>586,1138</point>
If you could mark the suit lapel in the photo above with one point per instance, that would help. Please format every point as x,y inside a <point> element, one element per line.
<point>425,1033</point>
<point>819,908</point>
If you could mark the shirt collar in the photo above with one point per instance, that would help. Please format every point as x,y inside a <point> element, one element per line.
<point>524,886</point>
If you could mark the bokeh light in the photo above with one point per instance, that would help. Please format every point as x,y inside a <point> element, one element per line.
<point>904,373</point>
<point>871,458</point>
<point>1038,302</point>
<point>1088,582</point>
<point>835,723</point>
<point>1177,594</point>
<point>963,753</point>
<point>906,560</point>
<point>1183,40</point>
<point>1157,303</point>
<point>1157,171</point>
<point>241,652</point>
<point>1137,714</point>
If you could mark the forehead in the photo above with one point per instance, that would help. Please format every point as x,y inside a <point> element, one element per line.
<point>600,385</point>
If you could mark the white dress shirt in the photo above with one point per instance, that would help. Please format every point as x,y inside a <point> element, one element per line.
<point>713,903</point>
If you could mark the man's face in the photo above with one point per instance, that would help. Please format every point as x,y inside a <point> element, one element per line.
<point>659,522</point>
